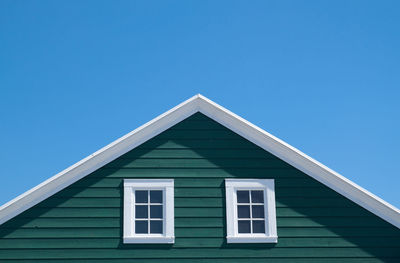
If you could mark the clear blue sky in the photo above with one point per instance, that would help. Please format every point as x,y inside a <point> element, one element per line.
<point>322,75</point>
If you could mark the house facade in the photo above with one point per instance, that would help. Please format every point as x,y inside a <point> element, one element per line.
<point>199,184</point>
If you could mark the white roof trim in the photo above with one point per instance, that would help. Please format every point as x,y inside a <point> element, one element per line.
<point>230,120</point>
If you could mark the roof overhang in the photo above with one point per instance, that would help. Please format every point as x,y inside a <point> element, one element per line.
<point>251,132</point>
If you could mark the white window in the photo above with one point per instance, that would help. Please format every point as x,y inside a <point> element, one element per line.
<point>250,211</point>
<point>148,211</point>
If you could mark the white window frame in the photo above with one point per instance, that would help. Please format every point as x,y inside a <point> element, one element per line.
<point>167,186</point>
<point>231,186</point>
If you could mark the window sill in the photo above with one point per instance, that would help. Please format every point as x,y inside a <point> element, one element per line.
<point>252,239</point>
<point>149,240</point>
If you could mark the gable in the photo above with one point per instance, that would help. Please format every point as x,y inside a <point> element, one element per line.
<point>228,119</point>
<point>84,220</point>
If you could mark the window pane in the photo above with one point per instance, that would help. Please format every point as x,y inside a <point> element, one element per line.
<point>257,196</point>
<point>141,227</point>
<point>156,211</point>
<point>156,227</point>
<point>140,196</point>
<point>243,211</point>
<point>243,196</point>
<point>156,197</point>
<point>244,226</point>
<point>258,226</point>
<point>257,211</point>
<point>141,211</point>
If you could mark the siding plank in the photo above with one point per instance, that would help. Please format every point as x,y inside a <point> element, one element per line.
<point>196,242</point>
<point>205,153</point>
<point>196,182</point>
<point>196,253</point>
<point>271,173</point>
<point>197,163</point>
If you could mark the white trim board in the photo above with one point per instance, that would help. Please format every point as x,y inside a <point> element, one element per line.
<point>199,103</point>
<point>130,219</point>
<point>270,234</point>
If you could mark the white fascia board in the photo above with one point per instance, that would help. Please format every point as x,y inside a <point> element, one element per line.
<point>98,159</point>
<point>301,161</point>
<point>199,103</point>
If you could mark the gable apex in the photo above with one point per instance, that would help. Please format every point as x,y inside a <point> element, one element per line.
<point>249,131</point>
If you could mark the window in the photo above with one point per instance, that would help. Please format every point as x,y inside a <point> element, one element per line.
<point>148,211</point>
<point>250,211</point>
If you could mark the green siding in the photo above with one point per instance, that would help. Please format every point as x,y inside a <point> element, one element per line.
<point>83,223</point>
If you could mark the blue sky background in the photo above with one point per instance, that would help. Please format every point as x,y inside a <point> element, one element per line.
<point>322,75</point>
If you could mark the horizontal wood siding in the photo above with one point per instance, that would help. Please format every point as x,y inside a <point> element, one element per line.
<point>83,223</point>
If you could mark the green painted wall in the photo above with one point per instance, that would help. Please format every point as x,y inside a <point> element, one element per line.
<point>83,223</point>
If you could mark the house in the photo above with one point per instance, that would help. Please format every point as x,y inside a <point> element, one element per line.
<point>199,184</point>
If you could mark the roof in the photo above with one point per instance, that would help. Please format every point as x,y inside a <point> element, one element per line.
<point>251,132</point>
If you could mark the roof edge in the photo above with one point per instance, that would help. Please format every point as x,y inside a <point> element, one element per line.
<point>301,161</point>
<point>98,159</point>
<point>251,132</point>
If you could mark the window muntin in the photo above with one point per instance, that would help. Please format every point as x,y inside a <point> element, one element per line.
<point>250,210</point>
<point>148,211</point>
